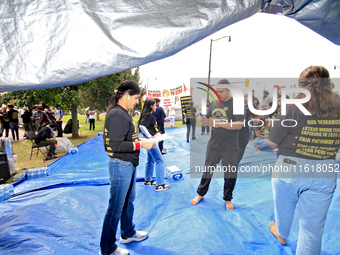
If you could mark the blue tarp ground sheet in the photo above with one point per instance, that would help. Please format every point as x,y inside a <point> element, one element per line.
<point>63,212</point>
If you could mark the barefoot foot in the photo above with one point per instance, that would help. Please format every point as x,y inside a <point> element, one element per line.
<point>273,229</point>
<point>229,205</point>
<point>257,148</point>
<point>196,200</point>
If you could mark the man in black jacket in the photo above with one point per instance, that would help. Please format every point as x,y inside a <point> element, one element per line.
<point>46,136</point>
<point>26,119</point>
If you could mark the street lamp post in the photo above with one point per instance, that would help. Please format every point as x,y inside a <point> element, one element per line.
<point>211,41</point>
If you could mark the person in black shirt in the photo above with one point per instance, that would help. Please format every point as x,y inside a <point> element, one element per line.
<point>308,148</point>
<point>190,115</point>
<point>122,145</point>
<point>147,124</point>
<point>26,119</point>
<point>46,137</point>
<point>12,115</point>
<point>223,145</point>
<point>160,115</point>
<point>5,121</point>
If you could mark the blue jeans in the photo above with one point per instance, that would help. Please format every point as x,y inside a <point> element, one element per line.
<point>155,160</point>
<point>203,129</point>
<point>312,191</point>
<point>262,144</point>
<point>122,195</point>
<point>14,129</point>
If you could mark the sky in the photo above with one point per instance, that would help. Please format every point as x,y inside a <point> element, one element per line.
<point>262,46</point>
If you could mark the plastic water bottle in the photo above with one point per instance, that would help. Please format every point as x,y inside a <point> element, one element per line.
<point>11,191</point>
<point>45,171</point>
<point>2,193</point>
<point>28,174</point>
<point>6,188</point>
<point>73,150</point>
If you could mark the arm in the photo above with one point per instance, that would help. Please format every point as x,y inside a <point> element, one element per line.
<point>257,133</point>
<point>272,144</point>
<point>145,131</point>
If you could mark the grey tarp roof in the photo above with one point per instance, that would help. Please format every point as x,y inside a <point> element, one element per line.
<point>50,43</point>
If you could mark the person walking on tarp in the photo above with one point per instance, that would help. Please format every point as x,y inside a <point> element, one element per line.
<point>223,145</point>
<point>308,147</point>
<point>160,116</point>
<point>148,126</point>
<point>122,145</point>
<point>190,116</point>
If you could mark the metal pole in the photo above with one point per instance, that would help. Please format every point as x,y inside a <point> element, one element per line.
<point>209,67</point>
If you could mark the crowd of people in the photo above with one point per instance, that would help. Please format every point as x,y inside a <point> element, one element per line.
<point>311,191</point>
<point>33,119</point>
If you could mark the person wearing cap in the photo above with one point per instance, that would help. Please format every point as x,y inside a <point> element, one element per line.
<point>46,137</point>
<point>267,100</point>
<point>160,115</point>
<point>36,117</point>
<point>13,117</point>
<point>59,113</point>
<point>223,145</point>
<point>26,119</point>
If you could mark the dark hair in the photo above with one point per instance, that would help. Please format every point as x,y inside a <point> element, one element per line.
<point>126,87</point>
<point>146,108</point>
<point>323,102</point>
<point>191,103</point>
<point>157,100</point>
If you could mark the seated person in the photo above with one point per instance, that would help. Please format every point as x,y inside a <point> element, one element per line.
<point>46,137</point>
<point>262,129</point>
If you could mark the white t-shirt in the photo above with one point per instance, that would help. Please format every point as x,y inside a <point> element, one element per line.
<point>59,113</point>
<point>92,116</point>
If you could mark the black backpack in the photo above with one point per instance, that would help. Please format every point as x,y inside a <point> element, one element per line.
<point>68,127</point>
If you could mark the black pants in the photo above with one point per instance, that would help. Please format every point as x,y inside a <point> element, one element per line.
<point>160,144</point>
<point>51,144</point>
<point>27,128</point>
<point>192,124</point>
<point>229,160</point>
<point>243,139</point>
<point>92,123</point>
<point>60,128</point>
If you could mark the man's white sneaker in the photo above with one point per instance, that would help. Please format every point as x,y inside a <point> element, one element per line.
<point>139,236</point>
<point>118,251</point>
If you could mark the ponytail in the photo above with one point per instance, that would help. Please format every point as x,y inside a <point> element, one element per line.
<point>126,87</point>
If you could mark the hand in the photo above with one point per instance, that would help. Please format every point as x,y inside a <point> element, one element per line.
<point>148,144</point>
<point>208,122</point>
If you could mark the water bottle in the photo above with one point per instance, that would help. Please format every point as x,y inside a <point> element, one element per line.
<point>29,175</point>
<point>34,173</point>
<point>46,171</point>
<point>11,190</point>
<point>6,188</point>
<point>2,193</point>
<point>73,150</point>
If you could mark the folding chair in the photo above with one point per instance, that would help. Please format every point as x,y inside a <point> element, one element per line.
<point>35,147</point>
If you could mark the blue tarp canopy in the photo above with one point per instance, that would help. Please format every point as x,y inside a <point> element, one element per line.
<point>63,212</point>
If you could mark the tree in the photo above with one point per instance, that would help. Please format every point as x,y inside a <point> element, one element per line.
<point>97,93</point>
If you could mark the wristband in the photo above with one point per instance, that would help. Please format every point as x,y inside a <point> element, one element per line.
<point>138,145</point>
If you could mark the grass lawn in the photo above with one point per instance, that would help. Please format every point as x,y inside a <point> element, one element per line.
<point>22,148</point>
